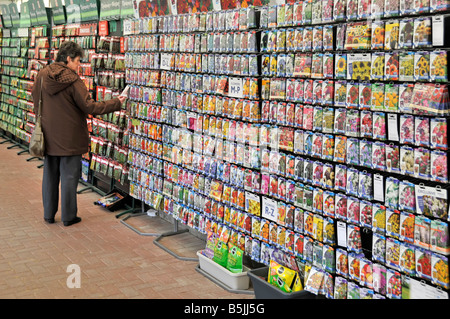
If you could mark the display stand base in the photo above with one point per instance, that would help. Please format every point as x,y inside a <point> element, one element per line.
<point>173,233</point>
<point>221,284</point>
<point>134,228</point>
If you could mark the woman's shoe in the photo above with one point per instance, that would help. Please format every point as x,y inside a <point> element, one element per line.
<point>49,220</point>
<point>73,221</point>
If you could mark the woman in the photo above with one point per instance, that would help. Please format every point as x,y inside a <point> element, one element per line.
<point>65,105</point>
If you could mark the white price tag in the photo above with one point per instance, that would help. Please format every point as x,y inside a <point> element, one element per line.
<point>378,189</point>
<point>235,88</point>
<point>342,234</point>
<point>392,127</point>
<point>269,209</point>
<point>438,30</point>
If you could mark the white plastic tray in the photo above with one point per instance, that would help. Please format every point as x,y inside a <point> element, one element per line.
<point>239,281</point>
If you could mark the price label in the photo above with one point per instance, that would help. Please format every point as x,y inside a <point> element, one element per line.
<point>127,27</point>
<point>165,61</point>
<point>269,209</point>
<point>235,88</point>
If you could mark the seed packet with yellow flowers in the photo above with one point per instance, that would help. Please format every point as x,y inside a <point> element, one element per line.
<point>391,97</point>
<point>438,66</point>
<point>439,270</point>
<point>377,96</point>
<point>378,65</point>
<point>391,35</point>
<point>421,65</point>
<point>359,65</point>
<point>422,32</point>
<point>358,36</point>
<point>377,39</point>
<point>406,66</point>
<point>340,68</point>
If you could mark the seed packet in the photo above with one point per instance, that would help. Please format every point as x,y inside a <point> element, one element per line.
<point>421,65</point>
<point>405,93</point>
<point>438,66</point>
<point>391,66</point>
<point>391,8</point>
<point>377,96</point>
<point>328,65</point>
<point>422,166</point>
<point>407,160</point>
<point>340,183</point>
<point>438,133</point>
<point>359,66</point>
<point>317,118</point>
<point>328,92</point>
<point>352,95</point>
<point>352,123</point>
<point>378,248</point>
<point>379,125</point>
<point>431,201</point>
<point>391,34</point>
<point>407,227</point>
<point>328,120</point>
<point>422,32</point>
<point>364,9</point>
<point>378,66</point>
<point>406,66</point>
<point>365,153</point>
<point>352,9</point>
<point>317,208</point>
<point>340,93</point>
<point>339,10</point>
<point>317,65</point>
<point>438,5</point>
<point>422,231</point>
<point>406,31</point>
<point>391,192</point>
<point>307,38</point>
<point>422,131</point>
<point>406,129</point>
<point>328,147</point>
<point>366,125</point>
<point>340,69</point>
<point>406,196</point>
<point>307,12</point>
<point>440,237</point>
<point>391,97</point>
<point>340,36</point>
<point>352,182</point>
<point>392,158</point>
<point>353,210</point>
<point>341,206</point>
<point>328,205</point>
<point>379,156</point>
<point>341,263</point>
<point>328,37</point>
<point>439,270</point>
<point>340,120</point>
<point>358,36</point>
<point>281,40</point>
<point>365,95</point>
<point>379,218</point>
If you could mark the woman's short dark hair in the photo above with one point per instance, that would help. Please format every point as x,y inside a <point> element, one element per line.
<point>69,48</point>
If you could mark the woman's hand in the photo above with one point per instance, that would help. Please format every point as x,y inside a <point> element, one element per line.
<point>121,98</point>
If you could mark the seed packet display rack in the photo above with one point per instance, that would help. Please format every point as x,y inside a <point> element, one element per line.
<point>293,199</point>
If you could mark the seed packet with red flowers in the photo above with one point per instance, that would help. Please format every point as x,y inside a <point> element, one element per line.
<point>365,96</point>
<point>439,164</point>
<point>391,66</point>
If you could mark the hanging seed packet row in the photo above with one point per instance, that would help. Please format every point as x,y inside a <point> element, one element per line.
<point>325,11</point>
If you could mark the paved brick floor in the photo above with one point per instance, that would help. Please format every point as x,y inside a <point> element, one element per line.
<point>115,261</point>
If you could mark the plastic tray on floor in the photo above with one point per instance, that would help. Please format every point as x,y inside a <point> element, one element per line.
<point>264,290</point>
<point>234,282</point>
